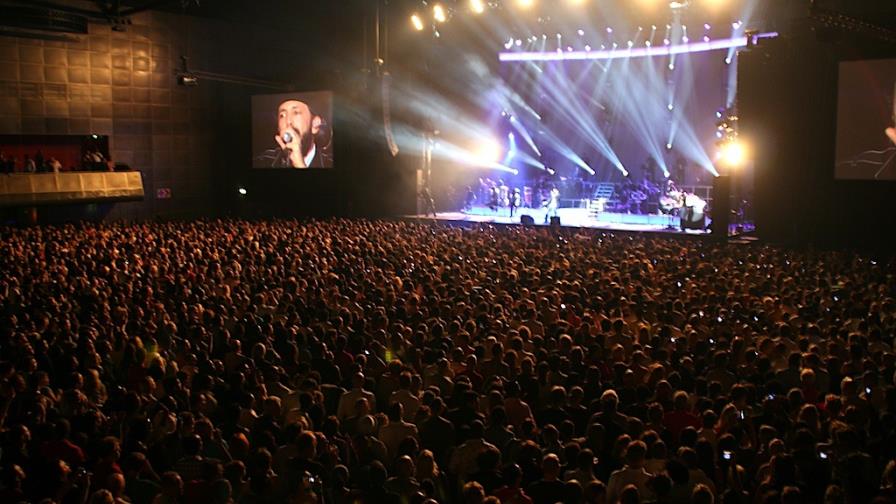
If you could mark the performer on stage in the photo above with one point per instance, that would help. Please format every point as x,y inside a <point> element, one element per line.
<point>494,197</point>
<point>515,200</point>
<point>504,194</point>
<point>469,199</point>
<point>687,210</point>
<point>429,204</point>
<point>553,205</point>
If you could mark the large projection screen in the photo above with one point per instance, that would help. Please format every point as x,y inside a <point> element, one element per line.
<point>292,130</point>
<point>866,138</point>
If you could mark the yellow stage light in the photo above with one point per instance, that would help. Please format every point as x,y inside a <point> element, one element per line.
<point>525,4</point>
<point>477,6</point>
<point>417,22</point>
<point>488,152</point>
<point>734,154</point>
<point>438,13</point>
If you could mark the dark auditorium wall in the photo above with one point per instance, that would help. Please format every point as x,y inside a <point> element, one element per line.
<point>788,112</point>
<point>195,140</point>
<point>121,84</point>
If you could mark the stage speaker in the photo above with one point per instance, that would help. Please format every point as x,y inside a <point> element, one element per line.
<point>555,221</point>
<point>721,205</point>
<point>527,220</point>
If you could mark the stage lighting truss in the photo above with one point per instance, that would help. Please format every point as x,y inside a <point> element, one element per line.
<point>726,124</point>
<point>432,13</point>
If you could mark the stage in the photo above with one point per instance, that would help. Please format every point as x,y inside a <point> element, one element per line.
<point>572,217</point>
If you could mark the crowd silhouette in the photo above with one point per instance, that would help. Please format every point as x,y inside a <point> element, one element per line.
<point>375,361</point>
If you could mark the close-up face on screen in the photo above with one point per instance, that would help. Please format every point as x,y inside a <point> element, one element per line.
<point>866,137</point>
<point>292,130</point>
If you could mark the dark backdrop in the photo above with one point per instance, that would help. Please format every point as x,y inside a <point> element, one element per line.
<point>788,112</point>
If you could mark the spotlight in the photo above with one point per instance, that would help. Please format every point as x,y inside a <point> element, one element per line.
<point>706,38</point>
<point>609,30</point>
<point>438,13</point>
<point>707,27</point>
<point>587,48</point>
<point>733,153</point>
<point>581,33</point>
<point>417,22</point>
<point>519,42</point>
<point>630,43</point>
<point>488,152</point>
<point>477,6</point>
<point>671,67</point>
<point>671,107</point>
<point>525,4</point>
<point>728,61</point>
<point>242,191</point>
<point>668,146</point>
<point>508,44</point>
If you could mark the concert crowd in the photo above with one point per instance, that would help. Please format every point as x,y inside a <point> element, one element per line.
<point>374,361</point>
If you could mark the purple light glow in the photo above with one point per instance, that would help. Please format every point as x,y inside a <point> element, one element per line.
<point>640,52</point>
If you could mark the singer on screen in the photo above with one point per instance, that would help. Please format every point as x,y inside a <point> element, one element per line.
<point>299,131</point>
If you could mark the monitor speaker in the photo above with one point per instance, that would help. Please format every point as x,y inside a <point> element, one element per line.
<point>555,221</point>
<point>527,220</point>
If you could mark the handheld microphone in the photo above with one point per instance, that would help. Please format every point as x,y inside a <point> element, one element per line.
<point>287,137</point>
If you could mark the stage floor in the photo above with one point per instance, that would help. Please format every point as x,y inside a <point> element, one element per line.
<point>572,217</point>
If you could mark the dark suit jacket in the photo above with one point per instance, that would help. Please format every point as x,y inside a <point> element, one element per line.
<point>278,158</point>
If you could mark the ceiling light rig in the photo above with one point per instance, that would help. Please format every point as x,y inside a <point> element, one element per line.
<point>430,14</point>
